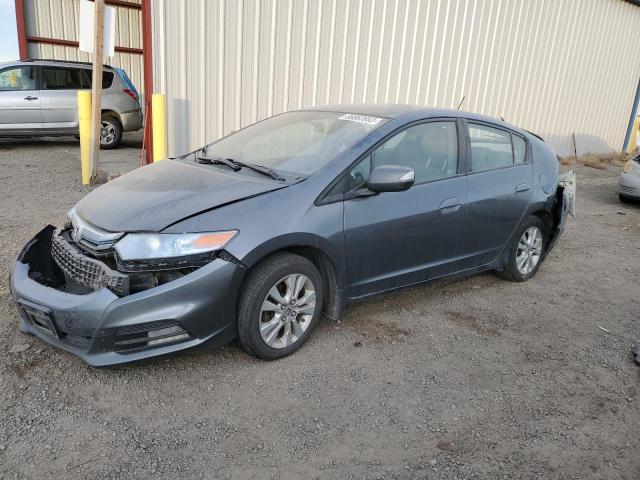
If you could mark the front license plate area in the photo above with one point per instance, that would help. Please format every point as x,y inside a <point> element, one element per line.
<point>39,317</point>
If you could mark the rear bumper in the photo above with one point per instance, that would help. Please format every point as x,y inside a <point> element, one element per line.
<point>202,303</point>
<point>565,206</point>
<point>131,121</point>
<point>629,185</point>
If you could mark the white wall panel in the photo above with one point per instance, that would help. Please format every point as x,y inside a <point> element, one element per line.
<point>58,19</point>
<point>551,66</point>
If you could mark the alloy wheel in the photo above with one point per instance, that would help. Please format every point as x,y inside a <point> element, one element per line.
<point>287,311</point>
<point>107,133</point>
<point>529,250</point>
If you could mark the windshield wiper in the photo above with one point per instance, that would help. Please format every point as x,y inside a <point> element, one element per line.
<point>237,165</point>
<point>260,169</point>
<point>219,161</point>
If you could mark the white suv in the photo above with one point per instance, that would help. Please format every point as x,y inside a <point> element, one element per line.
<point>38,98</point>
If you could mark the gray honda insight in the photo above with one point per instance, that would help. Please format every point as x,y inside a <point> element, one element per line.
<point>255,236</point>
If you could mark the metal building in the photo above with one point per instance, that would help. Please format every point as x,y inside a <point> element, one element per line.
<point>49,29</point>
<point>556,67</point>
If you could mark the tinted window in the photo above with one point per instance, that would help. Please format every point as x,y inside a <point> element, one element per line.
<point>519,148</point>
<point>107,78</point>
<point>431,149</point>
<point>21,78</point>
<point>63,79</point>
<point>490,148</point>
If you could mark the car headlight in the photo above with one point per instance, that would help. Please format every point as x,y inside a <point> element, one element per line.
<point>150,246</point>
<point>632,166</point>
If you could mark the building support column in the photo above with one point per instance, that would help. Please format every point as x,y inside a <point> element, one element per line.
<point>147,55</point>
<point>22,30</point>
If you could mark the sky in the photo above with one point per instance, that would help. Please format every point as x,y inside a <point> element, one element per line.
<point>8,34</point>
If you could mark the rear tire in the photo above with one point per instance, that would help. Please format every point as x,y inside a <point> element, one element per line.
<point>280,305</point>
<point>110,133</point>
<point>627,199</point>
<point>526,251</point>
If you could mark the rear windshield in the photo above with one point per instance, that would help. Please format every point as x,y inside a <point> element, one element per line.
<point>299,142</point>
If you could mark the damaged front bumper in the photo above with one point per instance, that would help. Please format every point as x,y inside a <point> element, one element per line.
<point>103,328</point>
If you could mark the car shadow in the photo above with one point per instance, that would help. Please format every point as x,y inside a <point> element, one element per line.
<point>129,140</point>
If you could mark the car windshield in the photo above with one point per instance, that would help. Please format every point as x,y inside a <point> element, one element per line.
<point>298,142</point>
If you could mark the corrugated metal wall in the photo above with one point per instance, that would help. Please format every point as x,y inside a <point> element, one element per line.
<point>58,19</point>
<point>551,66</point>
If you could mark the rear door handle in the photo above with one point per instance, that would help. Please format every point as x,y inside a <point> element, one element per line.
<point>30,98</point>
<point>450,205</point>
<point>522,187</point>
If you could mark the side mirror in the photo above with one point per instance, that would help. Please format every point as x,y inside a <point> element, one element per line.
<point>391,178</point>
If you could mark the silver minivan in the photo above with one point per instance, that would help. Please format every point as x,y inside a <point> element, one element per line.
<point>38,98</point>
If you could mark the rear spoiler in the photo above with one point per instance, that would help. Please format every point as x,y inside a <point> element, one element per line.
<point>535,135</point>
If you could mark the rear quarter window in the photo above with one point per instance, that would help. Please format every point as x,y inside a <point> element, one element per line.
<point>519,149</point>
<point>107,78</point>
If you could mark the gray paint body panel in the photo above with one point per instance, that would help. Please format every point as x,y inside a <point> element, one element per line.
<point>374,244</point>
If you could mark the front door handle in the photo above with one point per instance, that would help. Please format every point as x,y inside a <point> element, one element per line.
<point>450,205</point>
<point>522,187</point>
<point>30,98</point>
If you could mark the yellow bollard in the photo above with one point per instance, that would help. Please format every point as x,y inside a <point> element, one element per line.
<point>84,121</point>
<point>634,134</point>
<point>159,126</point>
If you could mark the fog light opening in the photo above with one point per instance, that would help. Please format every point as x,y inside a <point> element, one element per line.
<point>166,335</point>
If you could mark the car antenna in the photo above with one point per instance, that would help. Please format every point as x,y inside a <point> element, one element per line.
<point>460,104</point>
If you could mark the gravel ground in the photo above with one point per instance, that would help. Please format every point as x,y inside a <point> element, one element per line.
<point>472,379</point>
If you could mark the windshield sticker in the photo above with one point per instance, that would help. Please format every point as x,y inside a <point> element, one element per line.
<point>352,117</point>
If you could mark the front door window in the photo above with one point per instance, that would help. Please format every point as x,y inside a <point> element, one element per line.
<point>16,79</point>
<point>430,149</point>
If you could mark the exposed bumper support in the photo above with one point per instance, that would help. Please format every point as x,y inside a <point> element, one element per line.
<point>202,303</point>
<point>565,205</point>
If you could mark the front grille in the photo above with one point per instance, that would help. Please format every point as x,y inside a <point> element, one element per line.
<point>87,271</point>
<point>97,242</point>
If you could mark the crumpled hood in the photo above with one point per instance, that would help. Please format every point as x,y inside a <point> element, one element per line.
<point>153,197</point>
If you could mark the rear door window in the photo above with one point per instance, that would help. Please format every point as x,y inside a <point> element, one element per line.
<point>490,148</point>
<point>20,78</point>
<point>55,78</point>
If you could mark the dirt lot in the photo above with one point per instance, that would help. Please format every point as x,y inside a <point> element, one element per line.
<point>471,379</point>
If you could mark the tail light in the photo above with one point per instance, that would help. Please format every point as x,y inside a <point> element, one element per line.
<point>131,93</point>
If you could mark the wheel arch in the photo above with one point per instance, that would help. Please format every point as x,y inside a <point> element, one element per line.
<point>547,220</point>
<point>319,252</point>
<point>111,113</point>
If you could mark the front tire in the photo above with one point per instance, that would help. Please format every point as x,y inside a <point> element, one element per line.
<point>280,305</point>
<point>110,133</point>
<point>525,252</point>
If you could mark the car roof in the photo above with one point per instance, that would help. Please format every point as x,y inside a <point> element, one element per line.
<point>53,62</point>
<point>393,110</point>
<point>389,110</point>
